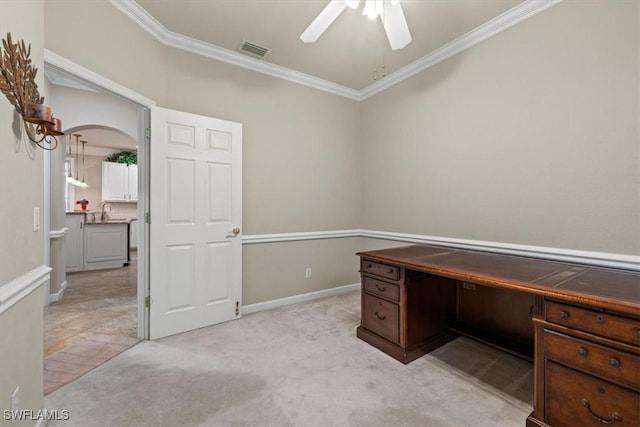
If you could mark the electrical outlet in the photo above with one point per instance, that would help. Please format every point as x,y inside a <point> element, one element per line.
<point>36,219</point>
<point>307,273</point>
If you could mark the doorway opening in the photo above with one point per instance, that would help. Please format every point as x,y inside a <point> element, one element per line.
<point>93,318</point>
<point>95,307</point>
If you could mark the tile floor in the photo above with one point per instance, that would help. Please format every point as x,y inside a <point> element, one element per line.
<point>94,321</point>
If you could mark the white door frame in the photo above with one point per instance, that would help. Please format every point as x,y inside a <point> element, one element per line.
<point>104,85</point>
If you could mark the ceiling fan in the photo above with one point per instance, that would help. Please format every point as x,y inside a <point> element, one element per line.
<point>390,12</point>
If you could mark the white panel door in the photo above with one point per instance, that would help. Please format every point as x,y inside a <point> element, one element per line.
<point>196,202</point>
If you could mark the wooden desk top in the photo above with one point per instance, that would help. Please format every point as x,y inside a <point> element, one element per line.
<point>605,288</point>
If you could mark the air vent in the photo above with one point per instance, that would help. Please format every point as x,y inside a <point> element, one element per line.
<point>253,49</point>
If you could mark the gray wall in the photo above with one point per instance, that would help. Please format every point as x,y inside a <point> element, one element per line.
<point>301,170</point>
<point>530,137</point>
<point>301,147</point>
<point>301,164</point>
<point>21,249</point>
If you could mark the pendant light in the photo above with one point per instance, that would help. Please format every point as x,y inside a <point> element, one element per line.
<point>70,179</point>
<point>83,183</point>
<point>69,176</point>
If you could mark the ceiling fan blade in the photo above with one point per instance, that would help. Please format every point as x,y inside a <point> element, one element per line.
<point>395,25</point>
<point>323,20</point>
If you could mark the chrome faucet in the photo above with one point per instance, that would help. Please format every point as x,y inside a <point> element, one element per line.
<point>103,215</point>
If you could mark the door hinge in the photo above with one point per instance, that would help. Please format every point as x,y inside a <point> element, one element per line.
<point>147,133</point>
<point>237,308</point>
<point>147,218</point>
<point>147,301</point>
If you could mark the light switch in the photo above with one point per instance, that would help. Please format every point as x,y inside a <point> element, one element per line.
<point>36,219</point>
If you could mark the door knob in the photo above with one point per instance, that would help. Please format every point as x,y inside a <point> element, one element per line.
<point>236,231</point>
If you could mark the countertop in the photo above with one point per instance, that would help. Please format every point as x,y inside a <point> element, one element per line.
<point>109,221</point>
<point>93,217</point>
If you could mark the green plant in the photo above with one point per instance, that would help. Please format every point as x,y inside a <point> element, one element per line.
<point>128,157</point>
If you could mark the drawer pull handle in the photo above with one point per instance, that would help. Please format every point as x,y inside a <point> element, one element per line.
<point>600,318</point>
<point>614,415</point>
<point>638,333</point>
<point>390,270</point>
<point>614,362</point>
<point>379,316</point>
<point>564,315</point>
<point>582,352</point>
<point>369,265</point>
<point>381,288</point>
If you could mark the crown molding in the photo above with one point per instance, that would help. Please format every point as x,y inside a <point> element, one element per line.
<point>148,23</point>
<point>517,14</point>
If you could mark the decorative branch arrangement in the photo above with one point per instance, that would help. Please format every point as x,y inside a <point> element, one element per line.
<point>17,83</point>
<point>17,77</point>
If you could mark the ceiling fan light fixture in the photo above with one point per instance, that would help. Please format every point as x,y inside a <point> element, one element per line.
<point>390,12</point>
<point>395,25</point>
<point>353,4</point>
<point>323,20</point>
<point>372,8</point>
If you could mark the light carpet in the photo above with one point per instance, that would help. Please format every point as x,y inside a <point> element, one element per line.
<point>299,365</point>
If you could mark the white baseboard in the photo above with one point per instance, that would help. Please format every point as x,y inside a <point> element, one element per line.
<point>58,295</point>
<point>20,287</point>
<point>267,305</point>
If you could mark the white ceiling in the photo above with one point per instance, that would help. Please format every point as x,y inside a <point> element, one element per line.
<point>345,54</point>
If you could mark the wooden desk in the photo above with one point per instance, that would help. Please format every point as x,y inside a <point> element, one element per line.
<point>580,325</point>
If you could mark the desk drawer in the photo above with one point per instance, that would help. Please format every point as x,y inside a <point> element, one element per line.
<point>380,288</point>
<point>603,324</point>
<point>576,399</point>
<point>381,317</point>
<point>618,366</point>
<point>389,271</point>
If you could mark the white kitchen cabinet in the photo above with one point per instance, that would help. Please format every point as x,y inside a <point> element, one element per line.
<point>74,243</point>
<point>119,182</point>
<point>106,245</point>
